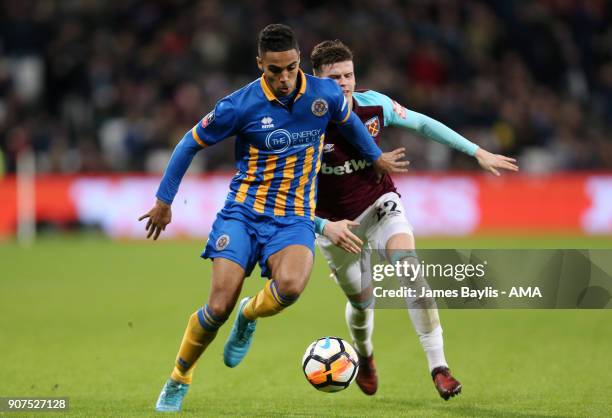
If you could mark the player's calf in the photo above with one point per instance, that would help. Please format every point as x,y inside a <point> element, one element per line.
<point>360,320</point>
<point>267,302</point>
<point>290,268</point>
<point>201,330</point>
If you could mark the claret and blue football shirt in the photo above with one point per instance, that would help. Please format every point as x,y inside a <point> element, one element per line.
<point>348,184</point>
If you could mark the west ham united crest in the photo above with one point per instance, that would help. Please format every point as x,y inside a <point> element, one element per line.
<point>319,107</point>
<point>373,125</point>
<point>222,242</point>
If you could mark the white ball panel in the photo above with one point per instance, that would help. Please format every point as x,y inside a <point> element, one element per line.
<point>327,347</point>
<point>351,351</point>
<point>307,352</point>
<point>313,366</point>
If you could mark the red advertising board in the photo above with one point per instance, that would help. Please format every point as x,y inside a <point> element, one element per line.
<point>436,204</point>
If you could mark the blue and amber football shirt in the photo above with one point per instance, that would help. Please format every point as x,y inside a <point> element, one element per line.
<point>278,148</point>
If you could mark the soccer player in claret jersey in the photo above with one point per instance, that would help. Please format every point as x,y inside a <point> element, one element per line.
<point>279,121</point>
<point>355,205</point>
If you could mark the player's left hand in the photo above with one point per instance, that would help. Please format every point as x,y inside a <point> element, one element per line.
<point>493,162</point>
<point>339,234</point>
<point>391,162</point>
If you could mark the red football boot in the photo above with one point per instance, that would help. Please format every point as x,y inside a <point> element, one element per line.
<point>367,380</point>
<point>446,384</point>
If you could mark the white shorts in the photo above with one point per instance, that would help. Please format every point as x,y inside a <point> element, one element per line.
<point>379,222</point>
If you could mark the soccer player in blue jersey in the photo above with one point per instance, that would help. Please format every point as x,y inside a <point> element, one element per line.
<point>279,122</point>
<point>376,215</point>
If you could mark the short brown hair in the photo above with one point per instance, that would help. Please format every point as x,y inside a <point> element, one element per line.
<point>329,52</point>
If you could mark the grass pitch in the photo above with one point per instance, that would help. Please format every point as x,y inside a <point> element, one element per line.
<point>100,322</point>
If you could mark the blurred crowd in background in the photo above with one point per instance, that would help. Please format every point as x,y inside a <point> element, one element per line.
<point>97,85</point>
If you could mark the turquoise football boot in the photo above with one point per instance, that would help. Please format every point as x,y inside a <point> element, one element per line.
<point>239,340</point>
<point>171,397</point>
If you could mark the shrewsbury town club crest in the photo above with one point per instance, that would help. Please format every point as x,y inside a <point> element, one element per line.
<point>319,107</point>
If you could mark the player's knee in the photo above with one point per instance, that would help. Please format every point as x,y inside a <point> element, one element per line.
<point>208,319</point>
<point>362,305</point>
<point>362,301</point>
<point>290,288</point>
<point>221,309</point>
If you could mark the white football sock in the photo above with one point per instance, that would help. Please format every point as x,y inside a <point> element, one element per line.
<point>361,326</point>
<point>433,345</point>
<point>423,313</point>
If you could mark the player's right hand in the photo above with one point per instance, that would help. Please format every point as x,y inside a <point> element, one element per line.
<point>391,162</point>
<point>159,216</point>
<point>339,234</point>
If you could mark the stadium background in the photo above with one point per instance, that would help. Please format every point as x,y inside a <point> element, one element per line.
<point>99,92</point>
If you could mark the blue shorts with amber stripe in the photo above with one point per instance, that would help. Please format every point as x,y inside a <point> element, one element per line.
<point>247,237</point>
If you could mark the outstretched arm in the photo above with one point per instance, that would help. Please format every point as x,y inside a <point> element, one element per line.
<point>214,127</point>
<point>161,214</point>
<point>179,162</point>
<point>397,115</point>
<point>432,129</point>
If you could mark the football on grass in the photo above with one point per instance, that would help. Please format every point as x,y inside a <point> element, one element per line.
<point>330,364</point>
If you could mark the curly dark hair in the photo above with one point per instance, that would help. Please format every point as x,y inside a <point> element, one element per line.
<point>276,38</point>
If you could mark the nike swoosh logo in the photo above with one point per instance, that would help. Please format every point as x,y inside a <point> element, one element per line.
<point>326,344</point>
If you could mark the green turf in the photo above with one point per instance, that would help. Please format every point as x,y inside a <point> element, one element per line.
<point>100,322</point>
